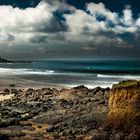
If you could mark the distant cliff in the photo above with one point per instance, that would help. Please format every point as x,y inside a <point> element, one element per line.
<point>3,60</point>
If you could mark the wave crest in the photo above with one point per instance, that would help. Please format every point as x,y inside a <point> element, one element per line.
<point>7,71</point>
<point>119,76</point>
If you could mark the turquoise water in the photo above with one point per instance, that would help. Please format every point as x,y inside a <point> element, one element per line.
<point>73,73</point>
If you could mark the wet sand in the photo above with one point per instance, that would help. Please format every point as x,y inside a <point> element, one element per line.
<point>19,83</point>
<point>13,82</point>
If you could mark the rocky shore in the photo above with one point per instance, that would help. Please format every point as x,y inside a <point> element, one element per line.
<point>78,113</point>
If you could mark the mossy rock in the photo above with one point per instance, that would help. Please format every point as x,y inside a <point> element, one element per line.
<point>127,84</point>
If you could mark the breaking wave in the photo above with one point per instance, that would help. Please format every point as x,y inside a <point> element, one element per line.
<point>7,71</point>
<point>119,76</point>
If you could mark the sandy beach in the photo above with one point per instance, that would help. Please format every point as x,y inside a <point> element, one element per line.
<point>8,81</point>
<point>13,82</point>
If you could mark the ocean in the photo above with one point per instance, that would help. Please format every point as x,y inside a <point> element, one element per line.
<point>74,73</point>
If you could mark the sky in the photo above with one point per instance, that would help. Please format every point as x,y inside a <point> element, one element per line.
<point>70,29</point>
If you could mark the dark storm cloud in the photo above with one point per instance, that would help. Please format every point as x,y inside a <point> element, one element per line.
<point>39,39</point>
<point>55,25</point>
<point>64,29</point>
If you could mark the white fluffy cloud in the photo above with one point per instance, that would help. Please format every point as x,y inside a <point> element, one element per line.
<point>26,22</point>
<point>100,10</point>
<point>84,26</point>
<point>29,19</point>
<point>80,21</point>
<point>128,16</point>
<point>138,22</point>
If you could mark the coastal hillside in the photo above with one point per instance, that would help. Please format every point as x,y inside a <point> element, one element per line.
<point>3,60</point>
<point>124,109</point>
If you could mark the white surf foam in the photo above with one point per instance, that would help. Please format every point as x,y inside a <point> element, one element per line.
<point>103,84</point>
<point>47,72</point>
<point>7,71</point>
<point>119,76</point>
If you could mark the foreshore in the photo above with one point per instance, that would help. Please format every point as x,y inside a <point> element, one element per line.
<point>45,113</point>
<point>10,82</point>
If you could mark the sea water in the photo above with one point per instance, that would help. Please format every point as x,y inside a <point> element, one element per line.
<point>74,73</point>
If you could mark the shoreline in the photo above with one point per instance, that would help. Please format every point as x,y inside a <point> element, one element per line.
<point>11,82</point>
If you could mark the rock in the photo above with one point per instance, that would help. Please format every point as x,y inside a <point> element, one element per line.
<point>95,90</point>
<point>8,122</point>
<point>6,91</point>
<point>132,137</point>
<point>29,91</point>
<point>82,87</point>
<point>14,91</point>
<point>47,91</point>
<point>100,135</point>
<point>101,102</point>
<point>50,129</point>
<point>12,85</point>
<point>87,129</point>
<point>107,89</point>
<point>50,117</point>
<point>66,104</point>
<point>117,136</point>
<point>4,137</point>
